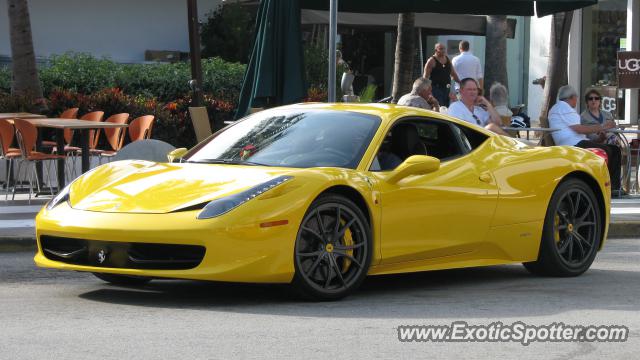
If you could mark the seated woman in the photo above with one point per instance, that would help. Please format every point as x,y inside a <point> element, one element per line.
<point>594,115</point>
<point>499,97</point>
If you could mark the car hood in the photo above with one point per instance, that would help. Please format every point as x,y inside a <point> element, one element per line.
<point>149,187</point>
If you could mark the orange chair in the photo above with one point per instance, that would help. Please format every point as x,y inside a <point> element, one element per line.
<point>93,116</point>
<point>93,139</point>
<point>7,153</point>
<point>115,136</point>
<point>140,128</point>
<point>27,135</point>
<point>71,113</point>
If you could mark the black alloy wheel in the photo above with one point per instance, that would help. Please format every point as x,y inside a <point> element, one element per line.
<point>572,231</point>
<point>332,249</point>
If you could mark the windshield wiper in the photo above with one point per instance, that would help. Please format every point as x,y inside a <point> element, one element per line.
<point>226,161</point>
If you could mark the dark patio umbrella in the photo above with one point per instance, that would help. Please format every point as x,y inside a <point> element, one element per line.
<point>275,73</point>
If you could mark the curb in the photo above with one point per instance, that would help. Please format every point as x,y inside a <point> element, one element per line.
<point>17,244</point>
<point>621,230</point>
<point>627,229</point>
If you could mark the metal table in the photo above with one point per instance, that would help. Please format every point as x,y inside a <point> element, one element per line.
<point>528,130</point>
<point>20,115</point>
<point>626,178</point>
<point>84,126</point>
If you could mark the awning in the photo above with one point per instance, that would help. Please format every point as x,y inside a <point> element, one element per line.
<point>500,7</point>
<point>445,24</point>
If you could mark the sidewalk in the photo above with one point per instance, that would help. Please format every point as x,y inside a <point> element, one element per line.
<point>17,220</point>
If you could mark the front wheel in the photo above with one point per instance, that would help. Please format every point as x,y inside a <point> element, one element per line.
<point>332,250</point>
<point>572,232</point>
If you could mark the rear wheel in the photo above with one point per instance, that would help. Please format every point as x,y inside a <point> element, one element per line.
<point>333,249</point>
<point>122,279</point>
<point>572,231</point>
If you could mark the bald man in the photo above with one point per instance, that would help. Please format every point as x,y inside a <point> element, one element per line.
<point>439,70</point>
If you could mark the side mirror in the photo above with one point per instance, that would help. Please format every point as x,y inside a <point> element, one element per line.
<point>414,165</point>
<point>176,154</point>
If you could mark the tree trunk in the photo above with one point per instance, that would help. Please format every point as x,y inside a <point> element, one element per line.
<point>405,55</point>
<point>557,68</point>
<point>25,74</point>
<point>495,64</point>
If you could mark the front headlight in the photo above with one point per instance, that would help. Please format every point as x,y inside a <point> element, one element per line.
<point>62,196</point>
<point>223,205</point>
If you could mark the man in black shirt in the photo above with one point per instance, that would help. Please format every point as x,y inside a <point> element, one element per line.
<point>439,70</point>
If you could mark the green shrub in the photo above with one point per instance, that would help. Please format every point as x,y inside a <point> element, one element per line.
<point>228,32</point>
<point>5,79</point>
<point>316,67</point>
<point>79,80</point>
<point>79,72</point>
<point>10,103</point>
<point>85,74</point>
<point>368,93</point>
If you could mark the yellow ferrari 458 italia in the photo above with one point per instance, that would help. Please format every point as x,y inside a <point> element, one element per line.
<point>322,195</point>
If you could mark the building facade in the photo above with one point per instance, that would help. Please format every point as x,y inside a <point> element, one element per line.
<point>598,32</point>
<point>119,29</point>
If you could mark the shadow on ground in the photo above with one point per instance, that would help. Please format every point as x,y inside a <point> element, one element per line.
<point>500,291</point>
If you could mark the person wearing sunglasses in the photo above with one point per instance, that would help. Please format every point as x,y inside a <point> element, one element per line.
<point>563,116</point>
<point>594,115</point>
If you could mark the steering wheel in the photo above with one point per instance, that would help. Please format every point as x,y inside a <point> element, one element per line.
<point>337,153</point>
<point>325,157</point>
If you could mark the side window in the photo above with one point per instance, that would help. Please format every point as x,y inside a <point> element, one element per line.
<point>418,136</point>
<point>471,139</point>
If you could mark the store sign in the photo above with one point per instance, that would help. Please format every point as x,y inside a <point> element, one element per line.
<point>629,69</point>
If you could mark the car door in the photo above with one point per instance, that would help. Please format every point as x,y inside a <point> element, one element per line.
<point>444,213</point>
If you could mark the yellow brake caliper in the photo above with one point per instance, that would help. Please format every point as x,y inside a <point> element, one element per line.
<point>347,240</point>
<point>556,234</point>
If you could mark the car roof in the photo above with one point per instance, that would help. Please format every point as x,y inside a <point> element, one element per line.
<point>387,112</point>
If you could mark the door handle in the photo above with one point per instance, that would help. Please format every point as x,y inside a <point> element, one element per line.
<point>486,177</point>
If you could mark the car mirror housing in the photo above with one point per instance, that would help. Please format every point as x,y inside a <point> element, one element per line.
<point>414,165</point>
<point>176,154</point>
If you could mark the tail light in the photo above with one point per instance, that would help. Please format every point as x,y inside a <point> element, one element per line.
<point>601,153</point>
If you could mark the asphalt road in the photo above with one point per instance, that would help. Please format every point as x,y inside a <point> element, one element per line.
<point>64,315</point>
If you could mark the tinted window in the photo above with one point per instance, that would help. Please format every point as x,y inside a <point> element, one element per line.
<point>470,138</point>
<point>292,138</point>
<point>436,139</point>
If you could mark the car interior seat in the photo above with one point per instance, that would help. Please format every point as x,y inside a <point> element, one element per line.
<point>405,141</point>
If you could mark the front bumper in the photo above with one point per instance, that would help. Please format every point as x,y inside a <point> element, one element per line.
<point>238,251</point>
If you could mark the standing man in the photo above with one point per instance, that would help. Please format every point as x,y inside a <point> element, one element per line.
<point>468,108</point>
<point>439,70</point>
<point>420,96</point>
<point>467,65</point>
<point>563,116</point>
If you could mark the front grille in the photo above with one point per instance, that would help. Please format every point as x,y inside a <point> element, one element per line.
<point>115,254</point>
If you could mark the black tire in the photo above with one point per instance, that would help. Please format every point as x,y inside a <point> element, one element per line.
<point>331,257</point>
<point>572,231</point>
<point>122,279</point>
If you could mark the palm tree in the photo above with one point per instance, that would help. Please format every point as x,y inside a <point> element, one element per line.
<point>405,55</point>
<point>495,68</point>
<point>557,68</point>
<point>25,74</point>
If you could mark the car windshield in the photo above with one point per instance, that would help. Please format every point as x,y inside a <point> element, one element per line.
<point>292,138</point>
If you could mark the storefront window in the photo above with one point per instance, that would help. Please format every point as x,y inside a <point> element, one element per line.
<point>603,27</point>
